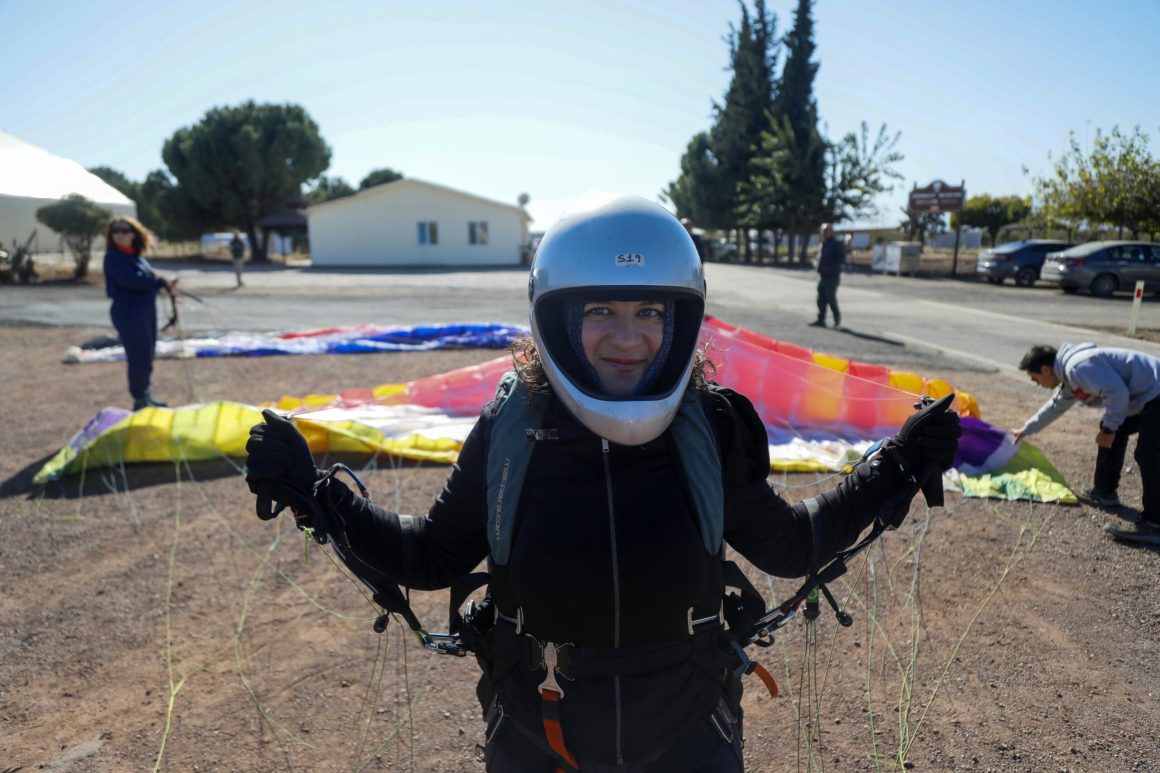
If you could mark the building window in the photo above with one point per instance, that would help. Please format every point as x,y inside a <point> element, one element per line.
<point>428,232</point>
<point>477,232</point>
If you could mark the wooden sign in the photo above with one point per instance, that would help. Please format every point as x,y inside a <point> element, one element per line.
<point>938,197</point>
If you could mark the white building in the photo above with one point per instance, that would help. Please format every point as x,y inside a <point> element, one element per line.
<point>30,178</point>
<point>415,223</point>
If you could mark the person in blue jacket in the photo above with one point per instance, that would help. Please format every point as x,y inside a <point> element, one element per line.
<point>132,285</point>
<point>1126,384</point>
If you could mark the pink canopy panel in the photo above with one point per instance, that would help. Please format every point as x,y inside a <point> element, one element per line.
<point>790,385</point>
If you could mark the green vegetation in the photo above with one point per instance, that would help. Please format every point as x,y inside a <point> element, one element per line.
<point>764,165</point>
<point>328,189</point>
<point>379,177</point>
<point>1114,183</point>
<point>77,220</point>
<point>240,163</point>
<point>992,213</point>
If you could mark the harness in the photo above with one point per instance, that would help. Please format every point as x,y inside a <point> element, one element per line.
<point>517,424</point>
<point>500,642</point>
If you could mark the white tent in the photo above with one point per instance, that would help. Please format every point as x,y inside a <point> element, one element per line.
<point>31,177</point>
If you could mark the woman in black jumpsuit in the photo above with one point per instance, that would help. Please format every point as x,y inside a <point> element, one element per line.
<point>607,557</point>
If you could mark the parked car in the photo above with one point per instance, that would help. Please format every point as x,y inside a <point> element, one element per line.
<point>1021,261</point>
<point>1103,268</point>
<point>723,250</point>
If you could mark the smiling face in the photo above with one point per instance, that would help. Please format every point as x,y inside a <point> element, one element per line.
<point>1045,377</point>
<point>621,339</point>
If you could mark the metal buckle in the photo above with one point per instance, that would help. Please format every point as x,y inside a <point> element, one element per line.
<point>717,618</point>
<point>549,682</point>
<point>494,723</point>
<point>726,736</point>
<point>517,621</point>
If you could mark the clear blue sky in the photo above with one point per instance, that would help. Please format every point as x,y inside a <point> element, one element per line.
<point>557,100</point>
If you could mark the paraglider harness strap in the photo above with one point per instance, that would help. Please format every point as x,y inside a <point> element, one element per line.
<point>173,305</point>
<point>760,631</point>
<point>465,630</point>
<point>463,635</point>
<point>571,662</point>
<point>741,610</point>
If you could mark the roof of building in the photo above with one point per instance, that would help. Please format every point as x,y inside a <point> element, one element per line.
<point>401,184</point>
<point>34,173</point>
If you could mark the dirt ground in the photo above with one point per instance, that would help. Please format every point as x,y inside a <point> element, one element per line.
<point>149,621</point>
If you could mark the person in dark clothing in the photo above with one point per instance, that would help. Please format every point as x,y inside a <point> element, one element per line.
<point>238,256</point>
<point>830,261</point>
<point>1126,384</point>
<point>132,285</point>
<point>698,240</point>
<point>602,486</point>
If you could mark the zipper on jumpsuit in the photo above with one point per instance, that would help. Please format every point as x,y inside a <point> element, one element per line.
<point>615,595</point>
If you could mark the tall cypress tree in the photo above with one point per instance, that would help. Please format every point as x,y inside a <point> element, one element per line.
<point>744,115</point>
<point>697,193</point>
<point>796,122</point>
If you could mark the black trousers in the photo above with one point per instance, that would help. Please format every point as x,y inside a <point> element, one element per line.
<point>136,323</point>
<point>1110,461</point>
<point>828,296</point>
<point>713,746</point>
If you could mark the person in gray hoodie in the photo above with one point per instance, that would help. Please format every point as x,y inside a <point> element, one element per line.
<point>1126,383</point>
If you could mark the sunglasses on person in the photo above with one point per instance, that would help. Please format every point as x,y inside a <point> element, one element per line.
<point>121,229</point>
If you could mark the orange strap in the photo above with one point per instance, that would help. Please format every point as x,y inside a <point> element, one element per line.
<point>765,677</point>
<point>555,733</point>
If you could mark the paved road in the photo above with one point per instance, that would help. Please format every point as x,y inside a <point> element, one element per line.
<point>916,323</point>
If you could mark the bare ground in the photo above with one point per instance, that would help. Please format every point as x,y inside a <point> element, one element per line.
<point>149,621</point>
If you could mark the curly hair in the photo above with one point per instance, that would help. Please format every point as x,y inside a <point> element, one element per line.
<point>529,366</point>
<point>143,240</point>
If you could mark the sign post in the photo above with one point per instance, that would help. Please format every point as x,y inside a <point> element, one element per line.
<point>1137,297</point>
<point>940,197</point>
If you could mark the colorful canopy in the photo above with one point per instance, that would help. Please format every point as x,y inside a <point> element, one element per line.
<point>356,339</point>
<point>820,412</point>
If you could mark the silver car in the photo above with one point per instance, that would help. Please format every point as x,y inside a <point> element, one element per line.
<point>1103,268</point>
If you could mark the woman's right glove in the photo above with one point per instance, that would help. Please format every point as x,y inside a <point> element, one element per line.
<point>280,470</point>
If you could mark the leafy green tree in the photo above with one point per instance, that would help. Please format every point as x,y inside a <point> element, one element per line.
<point>142,194</point>
<point>328,189</point>
<point>764,200</point>
<point>118,180</point>
<point>991,213</point>
<point>379,177</point>
<point>240,163</point>
<point>698,193</point>
<point>1114,183</point>
<point>1122,167</point>
<point>77,220</point>
<point>169,211</point>
<point>858,171</point>
<point>918,226</point>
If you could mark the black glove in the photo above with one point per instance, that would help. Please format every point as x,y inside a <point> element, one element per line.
<point>279,468</point>
<point>928,441</point>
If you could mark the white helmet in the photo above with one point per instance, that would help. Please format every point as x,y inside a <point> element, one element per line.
<point>628,249</point>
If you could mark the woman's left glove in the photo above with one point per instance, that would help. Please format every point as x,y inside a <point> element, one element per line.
<point>280,469</point>
<point>929,440</point>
